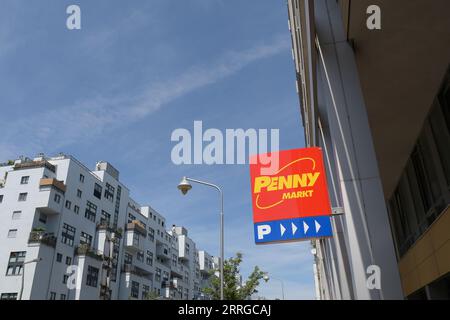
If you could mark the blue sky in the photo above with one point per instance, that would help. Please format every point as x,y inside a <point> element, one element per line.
<point>116,89</point>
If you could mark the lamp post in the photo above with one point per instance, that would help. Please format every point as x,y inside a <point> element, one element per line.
<point>184,187</point>
<point>267,278</point>
<point>23,274</point>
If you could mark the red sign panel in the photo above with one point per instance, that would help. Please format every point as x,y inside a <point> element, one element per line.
<point>296,189</point>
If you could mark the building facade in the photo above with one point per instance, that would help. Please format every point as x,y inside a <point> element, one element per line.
<point>72,233</point>
<point>377,101</point>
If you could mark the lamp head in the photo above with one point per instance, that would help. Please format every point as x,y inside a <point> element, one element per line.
<point>184,185</point>
<point>266,277</point>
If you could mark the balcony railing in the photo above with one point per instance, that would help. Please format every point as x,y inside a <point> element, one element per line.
<point>44,182</point>
<point>163,252</point>
<point>128,268</point>
<point>35,164</point>
<point>48,239</point>
<point>86,250</point>
<point>136,225</point>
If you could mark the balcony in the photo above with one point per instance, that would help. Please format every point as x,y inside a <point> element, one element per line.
<point>103,225</point>
<point>45,201</point>
<point>137,226</point>
<point>133,241</point>
<point>162,252</point>
<point>42,237</point>
<point>44,182</point>
<point>177,271</point>
<point>129,268</point>
<point>35,164</point>
<point>86,250</point>
<point>172,284</point>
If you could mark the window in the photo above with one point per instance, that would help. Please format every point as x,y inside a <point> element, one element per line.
<point>105,218</point>
<point>16,215</point>
<point>68,204</point>
<point>68,234</point>
<point>59,257</point>
<point>149,258</point>
<point>131,218</point>
<point>1,198</point>
<point>12,233</point>
<point>81,178</point>
<point>42,217</point>
<point>151,234</point>
<point>85,239</point>
<point>92,276</point>
<point>68,261</point>
<point>421,194</point>
<point>441,136</point>
<point>15,263</point>
<point>76,209</point>
<point>134,289</point>
<point>140,256</point>
<point>24,180</point>
<point>79,193</point>
<point>174,260</point>
<point>23,196</point>
<point>63,296</point>
<point>52,295</point>
<point>136,239</point>
<point>65,277</point>
<point>97,191</point>
<point>109,192</point>
<point>157,274</point>
<point>91,211</point>
<point>128,259</point>
<point>57,198</point>
<point>145,291</point>
<point>9,296</point>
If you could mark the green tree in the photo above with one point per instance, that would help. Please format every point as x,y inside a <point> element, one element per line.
<point>233,289</point>
<point>152,295</point>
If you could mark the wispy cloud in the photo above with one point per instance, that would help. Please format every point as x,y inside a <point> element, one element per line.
<point>90,117</point>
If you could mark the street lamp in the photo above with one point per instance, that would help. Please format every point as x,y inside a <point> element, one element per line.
<point>23,274</point>
<point>184,187</point>
<point>267,278</point>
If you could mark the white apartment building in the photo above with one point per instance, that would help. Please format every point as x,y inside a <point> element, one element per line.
<point>188,258</point>
<point>71,233</point>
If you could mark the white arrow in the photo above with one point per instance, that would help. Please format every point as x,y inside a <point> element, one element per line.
<point>317,226</point>
<point>305,227</point>
<point>294,228</point>
<point>283,229</point>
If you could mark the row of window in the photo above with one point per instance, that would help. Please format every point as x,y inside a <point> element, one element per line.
<point>424,187</point>
<point>135,290</point>
<point>128,258</point>
<point>68,236</point>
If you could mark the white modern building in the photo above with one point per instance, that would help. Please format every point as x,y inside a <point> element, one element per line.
<point>71,233</point>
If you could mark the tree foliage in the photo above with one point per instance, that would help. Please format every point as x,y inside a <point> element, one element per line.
<point>233,288</point>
